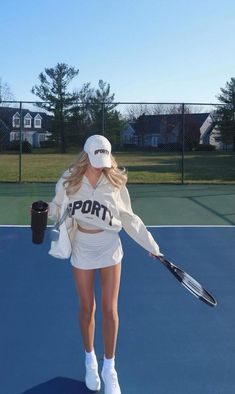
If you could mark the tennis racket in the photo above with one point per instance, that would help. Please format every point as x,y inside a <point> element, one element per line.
<point>188,282</point>
<point>55,231</point>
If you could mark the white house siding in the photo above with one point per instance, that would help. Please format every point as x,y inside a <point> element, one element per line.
<point>128,136</point>
<point>33,137</point>
<point>204,129</point>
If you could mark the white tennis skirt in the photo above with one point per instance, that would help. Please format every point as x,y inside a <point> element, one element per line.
<point>99,250</point>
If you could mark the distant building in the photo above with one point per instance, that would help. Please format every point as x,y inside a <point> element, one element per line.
<point>163,130</point>
<point>34,128</point>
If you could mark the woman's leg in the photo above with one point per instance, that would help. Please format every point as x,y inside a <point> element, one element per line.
<point>85,287</point>
<point>110,282</point>
<point>84,280</point>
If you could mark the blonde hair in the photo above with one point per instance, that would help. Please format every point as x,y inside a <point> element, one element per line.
<point>72,183</point>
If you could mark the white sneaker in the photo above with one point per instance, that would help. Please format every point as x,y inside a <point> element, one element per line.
<point>111,382</point>
<point>92,378</point>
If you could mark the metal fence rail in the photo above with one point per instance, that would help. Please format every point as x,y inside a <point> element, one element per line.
<point>156,142</point>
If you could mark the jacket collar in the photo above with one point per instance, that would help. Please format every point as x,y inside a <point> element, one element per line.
<point>101,181</point>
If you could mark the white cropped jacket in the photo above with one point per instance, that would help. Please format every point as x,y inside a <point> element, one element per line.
<point>105,207</point>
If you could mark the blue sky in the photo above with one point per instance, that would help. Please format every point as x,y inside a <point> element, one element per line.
<point>152,50</point>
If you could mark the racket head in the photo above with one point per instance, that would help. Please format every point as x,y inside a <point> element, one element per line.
<point>195,288</point>
<point>190,283</point>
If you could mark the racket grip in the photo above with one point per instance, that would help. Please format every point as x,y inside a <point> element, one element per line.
<point>157,256</point>
<point>38,221</point>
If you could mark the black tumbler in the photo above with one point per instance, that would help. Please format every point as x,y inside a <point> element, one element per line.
<point>38,221</point>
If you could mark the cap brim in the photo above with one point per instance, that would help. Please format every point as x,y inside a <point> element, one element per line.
<point>100,162</point>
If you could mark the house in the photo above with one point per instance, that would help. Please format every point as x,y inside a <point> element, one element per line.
<point>166,130</point>
<point>212,136</point>
<point>128,134</point>
<point>35,126</point>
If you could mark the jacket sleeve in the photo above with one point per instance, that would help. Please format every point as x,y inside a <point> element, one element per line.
<point>56,203</point>
<point>134,226</point>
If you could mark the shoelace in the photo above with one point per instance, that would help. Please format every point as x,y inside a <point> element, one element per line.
<point>114,379</point>
<point>94,367</point>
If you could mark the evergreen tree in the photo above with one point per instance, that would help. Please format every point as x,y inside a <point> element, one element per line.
<point>105,118</point>
<point>53,90</point>
<point>225,116</point>
<point>80,116</point>
<point>95,113</point>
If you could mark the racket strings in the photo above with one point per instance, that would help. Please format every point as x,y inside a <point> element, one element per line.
<point>193,284</point>
<point>190,283</point>
<point>197,289</point>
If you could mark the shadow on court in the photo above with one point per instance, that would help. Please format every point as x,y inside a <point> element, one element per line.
<point>169,342</point>
<point>59,386</point>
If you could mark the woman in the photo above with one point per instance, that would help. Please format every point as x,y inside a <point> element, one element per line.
<point>100,206</point>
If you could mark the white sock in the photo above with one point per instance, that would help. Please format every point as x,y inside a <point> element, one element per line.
<point>109,364</point>
<point>90,357</point>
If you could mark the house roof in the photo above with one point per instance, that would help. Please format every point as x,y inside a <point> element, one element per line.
<point>3,127</point>
<point>155,123</point>
<point>7,113</point>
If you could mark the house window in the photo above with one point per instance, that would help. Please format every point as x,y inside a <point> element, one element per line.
<point>38,122</point>
<point>27,120</point>
<point>154,140</point>
<point>16,120</point>
<point>14,136</point>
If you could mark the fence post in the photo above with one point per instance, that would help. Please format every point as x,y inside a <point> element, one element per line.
<point>182,151</point>
<point>103,112</point>
<point>20,147</point>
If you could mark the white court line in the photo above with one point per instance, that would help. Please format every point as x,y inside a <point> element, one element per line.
<point>150,226</point>
<point>194,225</point>
<point>20,225</point>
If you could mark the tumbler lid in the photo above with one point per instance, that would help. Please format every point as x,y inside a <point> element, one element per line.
<point>39,206</point>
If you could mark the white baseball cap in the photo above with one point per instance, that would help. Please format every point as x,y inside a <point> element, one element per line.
<point>98,149</point>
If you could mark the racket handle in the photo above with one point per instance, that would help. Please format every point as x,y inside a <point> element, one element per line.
<point>157,256</point>
<point>62,219</point>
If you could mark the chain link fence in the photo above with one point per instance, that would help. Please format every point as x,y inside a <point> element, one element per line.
<point>155,142</point>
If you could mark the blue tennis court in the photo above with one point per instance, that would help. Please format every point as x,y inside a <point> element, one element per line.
<point>169,342</point>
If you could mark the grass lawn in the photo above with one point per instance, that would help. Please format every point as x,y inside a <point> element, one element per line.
<point>143,167</point>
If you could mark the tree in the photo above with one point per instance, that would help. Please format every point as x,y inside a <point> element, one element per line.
<point>134,111</point>
<point>80,115</point>
<point>105,119</point>
<point>53,90</point>
<point>224,115</point>
<point>5,91</point>
<point>5,95</point>
<point>101,105</point>
<point>95,113</point>
<point>192,132</point>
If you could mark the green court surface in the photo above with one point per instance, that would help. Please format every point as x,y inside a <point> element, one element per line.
<point>155,204</point>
